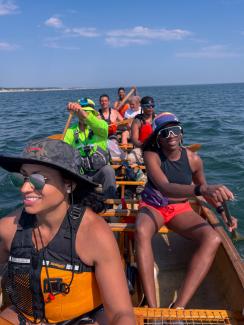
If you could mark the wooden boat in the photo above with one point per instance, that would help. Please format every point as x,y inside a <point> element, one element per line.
<point>220,298</point>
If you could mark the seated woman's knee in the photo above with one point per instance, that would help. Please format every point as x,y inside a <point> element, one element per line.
<point>142,231</point>
<point>210,238</point>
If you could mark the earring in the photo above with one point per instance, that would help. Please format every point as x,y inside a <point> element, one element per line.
<point>69,190</point>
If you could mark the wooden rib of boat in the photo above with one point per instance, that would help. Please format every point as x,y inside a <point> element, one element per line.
<point>220,298</point>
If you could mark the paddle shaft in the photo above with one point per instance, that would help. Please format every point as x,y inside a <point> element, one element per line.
<point>227,213</point>
<point>133,89</point>
<point>235,234</point>
<point>67,124</point>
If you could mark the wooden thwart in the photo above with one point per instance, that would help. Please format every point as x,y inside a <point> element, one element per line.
<point>119,213</point>
<point>130,227</point>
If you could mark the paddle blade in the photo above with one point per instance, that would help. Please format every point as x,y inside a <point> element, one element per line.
<point>236,236</point>
<point>56,137</point>
<point>194,147</point>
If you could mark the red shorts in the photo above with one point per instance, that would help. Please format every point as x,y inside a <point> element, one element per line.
<point>169,211</point>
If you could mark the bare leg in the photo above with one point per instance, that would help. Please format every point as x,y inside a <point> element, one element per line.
<point>192,226</point>
<point>148,222</point>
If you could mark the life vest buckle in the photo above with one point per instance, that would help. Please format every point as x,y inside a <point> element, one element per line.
<point>55,286</point>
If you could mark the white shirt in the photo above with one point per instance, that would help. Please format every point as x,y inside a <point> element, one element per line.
<point>130,113</point>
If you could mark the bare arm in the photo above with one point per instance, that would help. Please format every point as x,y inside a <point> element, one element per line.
<point>102,251</point>
<point>119,118</point>
<point>135,128</point>
<point>8,227</point>
<point>116,104</point>
<point>217,193</point>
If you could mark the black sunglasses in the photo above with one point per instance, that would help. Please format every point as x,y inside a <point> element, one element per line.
<point>36,180</point>
<point>147,106</point>
<point>173,130</point>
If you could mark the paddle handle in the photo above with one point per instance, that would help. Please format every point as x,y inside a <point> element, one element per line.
<point>133,89</point>
<point>67,124</point>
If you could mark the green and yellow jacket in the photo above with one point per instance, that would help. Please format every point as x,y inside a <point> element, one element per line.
<point>91,143</point>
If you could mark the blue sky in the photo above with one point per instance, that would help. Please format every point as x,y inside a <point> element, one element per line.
<point>95,43</point>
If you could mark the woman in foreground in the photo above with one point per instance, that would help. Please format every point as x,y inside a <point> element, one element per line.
<point>174,175</point>
<point>64,266</point>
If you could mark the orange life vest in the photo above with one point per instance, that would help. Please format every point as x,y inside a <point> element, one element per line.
<point>51,284</point>
<point>123,108</point>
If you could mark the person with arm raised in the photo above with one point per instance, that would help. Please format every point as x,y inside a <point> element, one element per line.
<point>90,137</point>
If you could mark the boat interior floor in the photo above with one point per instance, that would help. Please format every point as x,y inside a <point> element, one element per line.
<point>172,254</point>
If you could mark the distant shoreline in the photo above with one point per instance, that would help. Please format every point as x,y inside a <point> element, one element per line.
<point>42,89</point>
<point>18,90</point>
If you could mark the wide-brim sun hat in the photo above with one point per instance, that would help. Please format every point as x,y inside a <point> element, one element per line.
<point>51,153</point>
<point>163,119</point>
<point>88,105</point>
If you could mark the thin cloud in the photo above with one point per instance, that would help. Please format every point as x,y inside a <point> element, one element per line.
<point>7,46</point>
<point>210,52</point>
<point>123,42</point>
<point>54,22</point>
<point>8,8</point>
<point>66,32</point>
<point>82,32</point>
<point>148,33</point>
<point>140,35</point>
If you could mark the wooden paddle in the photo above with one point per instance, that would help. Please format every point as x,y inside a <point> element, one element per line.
<point>194,147</point>
<point>133,89</point>
<point>61,136</point>
<point>235,235</point>
<point>125,121</point>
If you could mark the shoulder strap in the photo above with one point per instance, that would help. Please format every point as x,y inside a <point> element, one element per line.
<point>101,113</point>
<point>26,220</point>
<point>109,115</point>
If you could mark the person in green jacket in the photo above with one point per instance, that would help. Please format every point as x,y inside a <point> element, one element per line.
<point>90,136</point>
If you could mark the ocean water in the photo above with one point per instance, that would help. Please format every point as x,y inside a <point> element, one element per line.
<point>212,115</point>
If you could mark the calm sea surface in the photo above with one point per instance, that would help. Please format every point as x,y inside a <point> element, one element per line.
<point>212,115</point>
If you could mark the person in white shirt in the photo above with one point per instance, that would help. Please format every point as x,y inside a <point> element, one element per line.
<point>131,112</point>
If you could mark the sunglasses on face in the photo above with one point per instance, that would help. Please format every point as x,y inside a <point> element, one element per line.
<point>145,106</point>
<point>171,130</point>
<point>37,181</point>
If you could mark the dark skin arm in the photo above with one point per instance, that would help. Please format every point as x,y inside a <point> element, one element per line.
<point>214,194</point>
<point>99,248</point>
<point>135,129</point>
<point>8,227</point>
<point>217,193</point>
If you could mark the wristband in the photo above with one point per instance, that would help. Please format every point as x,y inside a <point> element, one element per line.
<point>220,209</point>
<point>197,190</point>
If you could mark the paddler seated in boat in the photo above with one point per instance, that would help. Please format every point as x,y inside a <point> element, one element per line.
<point>135,109</point>
<point>174,175</point>
<point>90,136</point>
<point>63,260</point>
<point>108,114</point>
<point>123,108</point>
<point>141,128</point>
